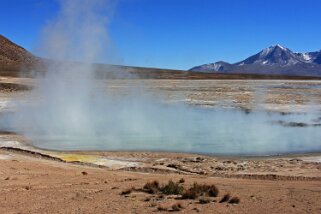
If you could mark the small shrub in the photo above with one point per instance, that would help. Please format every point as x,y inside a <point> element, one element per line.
<point>212,191</point>
<point>189,194</point>
<point>234,200</point>
<point>225,198</point>
<point>181,181</point>
<point>203,189</point>
<point>172,188</point>
<point>151,187</point>
<point>200,190</point>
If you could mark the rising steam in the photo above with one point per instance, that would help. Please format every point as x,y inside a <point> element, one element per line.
<point>70,103</point>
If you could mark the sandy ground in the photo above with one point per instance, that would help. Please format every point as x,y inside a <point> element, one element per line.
<point>33,185</point>
<point>37,181</point>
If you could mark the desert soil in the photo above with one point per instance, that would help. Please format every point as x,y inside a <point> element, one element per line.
<point>35,185</point>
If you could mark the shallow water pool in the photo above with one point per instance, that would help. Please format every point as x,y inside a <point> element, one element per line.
<point>206,131</point>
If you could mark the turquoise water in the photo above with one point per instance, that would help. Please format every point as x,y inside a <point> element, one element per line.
<point>205,131</point>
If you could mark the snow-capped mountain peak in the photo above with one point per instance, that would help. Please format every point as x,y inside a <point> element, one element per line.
<point>272,55</point>
<point>276,58</point>
<point>280,46</point>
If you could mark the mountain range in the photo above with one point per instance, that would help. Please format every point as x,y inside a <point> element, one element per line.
<point>17,61</point>
<point>274,60</point>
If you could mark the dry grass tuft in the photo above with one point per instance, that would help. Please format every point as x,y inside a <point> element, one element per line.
<point>188,194</point>
<point>172,188</point>
<point>176,188</point>
<point>212,191</point>
<point>151,187</point>
<point>204,200</point>
<point>181,181</point>
<point>200,190</point>
<point>234,200</point>
<point>225,198</point>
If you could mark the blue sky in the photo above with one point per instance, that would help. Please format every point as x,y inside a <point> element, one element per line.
<point>180,34</point>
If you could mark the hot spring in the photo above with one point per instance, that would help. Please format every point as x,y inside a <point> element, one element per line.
<point>146,125</point>
<point>69,109</point>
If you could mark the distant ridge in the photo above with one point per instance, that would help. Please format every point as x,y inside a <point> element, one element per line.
<point>15,61</point>
<point>274,60</point>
